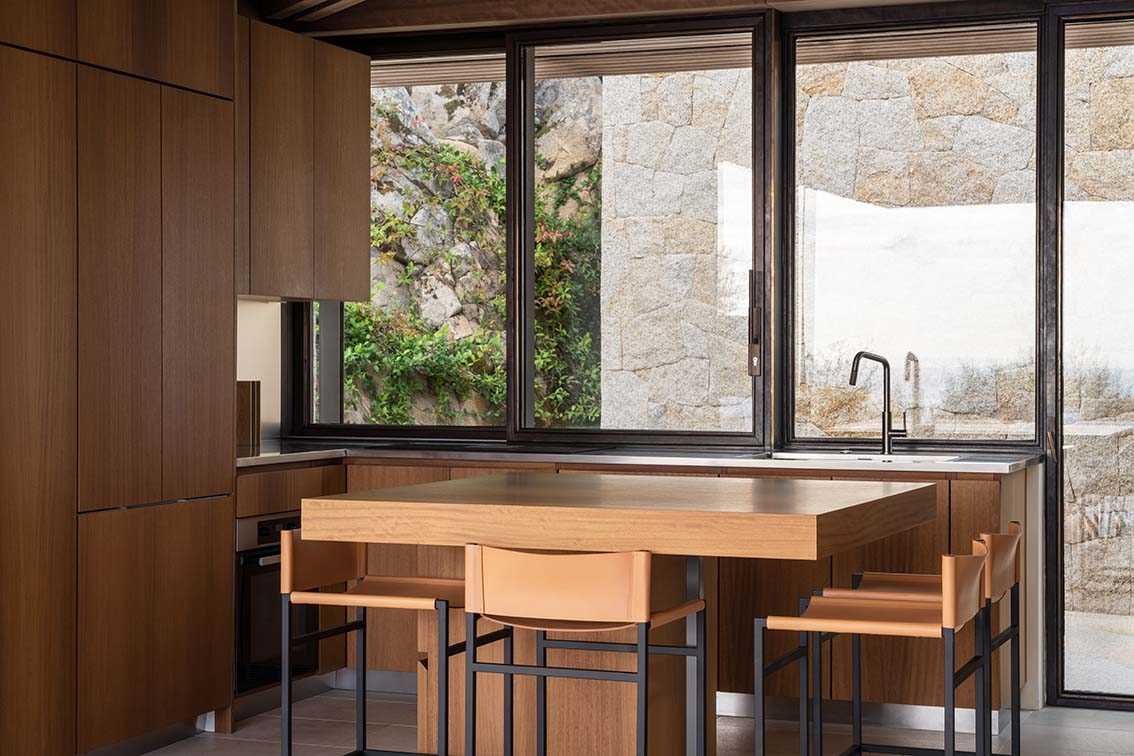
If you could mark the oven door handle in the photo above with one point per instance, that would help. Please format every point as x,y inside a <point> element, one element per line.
<point>265,561</point>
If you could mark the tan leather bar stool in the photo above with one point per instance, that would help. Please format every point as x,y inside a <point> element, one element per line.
<point>960,600</point>
<point>308,567</point>
<point>570,593</point>
<point>1001,579</point>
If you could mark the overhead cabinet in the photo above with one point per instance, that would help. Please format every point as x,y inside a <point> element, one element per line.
<point>43,25</point>
<point>308,169</point>
<point>187,43</point>
<point>156,326</point>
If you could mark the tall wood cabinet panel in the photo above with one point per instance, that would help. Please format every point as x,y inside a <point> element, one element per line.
<point>342,174</point>
<point>182,42</point>
<point>116,646</point>
<point>198,321</point>
<point>240,104</point>
<point>282,170</point>
<point>37,404</point>
<point>44,25</point>
<point>120,309</point>
<point>155,617</point>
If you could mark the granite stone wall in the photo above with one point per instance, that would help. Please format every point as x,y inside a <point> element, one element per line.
<point>675,149</point>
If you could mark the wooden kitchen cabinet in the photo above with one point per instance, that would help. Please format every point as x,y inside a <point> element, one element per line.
<point>270,491</point>
<point>342,174</point>
<point>303,183</point>
<point>188,43</point>
<point>120,298</point>
<point>44,25</point>
<point>38,414</point>
<point>281,117</point>
<point>198,308</point>
<point>155,617</point>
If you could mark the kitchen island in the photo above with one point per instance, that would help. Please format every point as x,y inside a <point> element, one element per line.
<point>699,517</point>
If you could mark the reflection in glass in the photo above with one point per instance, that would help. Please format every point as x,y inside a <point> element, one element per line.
<point>643,235</point>
<point>915,237</point>
<point>1098,360</point>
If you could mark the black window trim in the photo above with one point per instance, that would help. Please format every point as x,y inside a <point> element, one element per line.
<point>876,19</point>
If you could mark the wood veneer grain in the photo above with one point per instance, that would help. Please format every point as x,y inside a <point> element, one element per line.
<point>184,42</point>
<point>38,413</point>
<point>44,25</point>
<point>776,519</point>
<point>341,174</point>
<point>120,290</point>
<point>282,162</point>
<point>198,320</point>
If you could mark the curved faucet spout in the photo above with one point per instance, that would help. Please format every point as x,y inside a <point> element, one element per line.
<point>869,356</point>
<point>888,431</point>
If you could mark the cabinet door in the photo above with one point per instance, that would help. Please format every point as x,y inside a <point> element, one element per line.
<point>182,42</point>
<point>116,602</point>
<point>342,174</point>
<point>198,305</point>
<point>155,617</point>
<point>37,404</point>
<point>44,25</point>
<point>282,169</point>
<point>193,609</point>
<point>119,290</point>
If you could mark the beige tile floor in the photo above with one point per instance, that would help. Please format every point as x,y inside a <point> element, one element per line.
<point>324,726</point>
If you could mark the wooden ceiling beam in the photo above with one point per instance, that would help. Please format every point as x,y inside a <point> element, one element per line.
<point>277,10</point>
<point>378,16</point>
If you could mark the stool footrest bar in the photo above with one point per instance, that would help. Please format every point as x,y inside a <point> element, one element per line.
<point>329,632</point>
<point>628,648</point>
<point>581,674</point>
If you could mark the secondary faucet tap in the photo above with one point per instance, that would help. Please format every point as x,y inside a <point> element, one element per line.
<point>889,432</point>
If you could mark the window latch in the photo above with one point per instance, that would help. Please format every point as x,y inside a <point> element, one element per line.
<point>755,322</point>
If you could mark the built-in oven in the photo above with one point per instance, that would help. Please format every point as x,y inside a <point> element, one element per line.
<point>258,605</point>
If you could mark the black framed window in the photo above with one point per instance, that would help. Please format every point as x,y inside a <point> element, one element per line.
<point>914,233</point>
<point>427,350</point>
<point>1097,512</point>
<point>634,233</point>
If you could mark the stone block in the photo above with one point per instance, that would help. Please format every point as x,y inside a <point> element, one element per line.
<point>998,146</point>
<point>949,179</point>
<point>1112,114</point>
<point>691,150</point>
<point>1103,175</point>
<point>1015,187</point>
<point>870,81</point>
<point>890,125</point>
<point>882,178</point>
<point>647,143</point>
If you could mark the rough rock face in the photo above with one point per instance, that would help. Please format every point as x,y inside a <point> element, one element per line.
<point>674,146</point>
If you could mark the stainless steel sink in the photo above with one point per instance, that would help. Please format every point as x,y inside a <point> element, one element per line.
<point>904,459</point>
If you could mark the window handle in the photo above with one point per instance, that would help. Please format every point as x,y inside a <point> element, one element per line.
<point>755,322</point>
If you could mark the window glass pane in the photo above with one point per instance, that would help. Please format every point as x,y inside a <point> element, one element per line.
<point>643,235</point>
<point>428,348</point>
<point>1098,359</point>
<point>915,234</point>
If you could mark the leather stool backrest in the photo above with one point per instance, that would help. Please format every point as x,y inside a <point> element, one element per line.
<point>305,565</point>
<point>573,587</point>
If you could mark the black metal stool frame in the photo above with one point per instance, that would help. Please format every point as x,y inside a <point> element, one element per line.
<point>642,649</point>
<point>979,666</point>
<point>358,626</point>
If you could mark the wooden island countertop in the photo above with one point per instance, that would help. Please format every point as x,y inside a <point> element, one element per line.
<point>711,517</point>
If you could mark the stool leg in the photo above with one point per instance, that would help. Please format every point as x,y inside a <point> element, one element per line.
<point>508,700</point>
<point>470,684</point>
<point>950,649</point>
<point>541,695</point>
<point>442,678</point>
<point>360,683</point>
<point>285,675</point>
<point>699,715</point>
<point>856,691</point>
<point>983,700</point>
<point>758,685</point>
<point>1014,649</point>
<point>804,675</point>
<point>643,687</point>
<point>817,691</point>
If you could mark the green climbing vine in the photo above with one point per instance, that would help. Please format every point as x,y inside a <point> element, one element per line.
<point>393,359</point>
